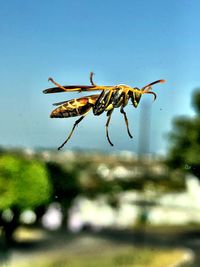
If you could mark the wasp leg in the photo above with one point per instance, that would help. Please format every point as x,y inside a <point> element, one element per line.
<point>126,121</point>
<point>91,78</point>
<point>109,113</point>
<point>69,136</point>
<point>57,84</point>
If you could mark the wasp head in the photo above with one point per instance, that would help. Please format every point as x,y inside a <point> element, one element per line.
<point>135,96</point>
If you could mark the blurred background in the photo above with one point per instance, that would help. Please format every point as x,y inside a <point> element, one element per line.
<point>134,204</point>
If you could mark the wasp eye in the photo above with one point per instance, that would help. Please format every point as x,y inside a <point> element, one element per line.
<point>135,98</point>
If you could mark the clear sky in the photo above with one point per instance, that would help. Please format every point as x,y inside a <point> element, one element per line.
<point>132,42</point>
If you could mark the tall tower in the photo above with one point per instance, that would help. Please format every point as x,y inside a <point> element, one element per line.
<point>144,129</point>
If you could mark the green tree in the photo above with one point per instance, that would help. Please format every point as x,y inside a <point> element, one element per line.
<point>184,152</point>
<point>24,184</point>
<point>65,185</point>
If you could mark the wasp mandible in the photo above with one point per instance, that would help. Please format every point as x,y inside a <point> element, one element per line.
<point>111,97</point>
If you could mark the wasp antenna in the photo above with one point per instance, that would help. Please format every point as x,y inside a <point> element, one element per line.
<point>152,93</point>
<point>162,81</point>
<point>148,86</point>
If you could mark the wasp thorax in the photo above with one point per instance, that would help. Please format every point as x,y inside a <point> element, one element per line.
<point>101,103</point>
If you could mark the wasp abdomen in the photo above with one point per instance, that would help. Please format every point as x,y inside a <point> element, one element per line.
<point>64,113</point>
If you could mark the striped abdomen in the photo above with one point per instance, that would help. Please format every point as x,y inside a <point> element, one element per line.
<point>74,107</point>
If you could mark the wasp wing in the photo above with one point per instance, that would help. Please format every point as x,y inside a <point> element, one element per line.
<point>67,88</point>
<point>60,103</point>
<point>72,100</point>
<point>76,88</point>
<point>91,98</point>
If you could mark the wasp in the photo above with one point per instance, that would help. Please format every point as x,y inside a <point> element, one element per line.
<point>107,100</point>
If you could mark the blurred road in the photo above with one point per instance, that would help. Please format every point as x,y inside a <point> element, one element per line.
<point>189,239</point>
<point>154,239</point>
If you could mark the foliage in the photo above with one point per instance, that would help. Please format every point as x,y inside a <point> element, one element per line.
<point>65,184</point>
<point>196,101</point>
<point>185,141</point>
<point>23,183</point>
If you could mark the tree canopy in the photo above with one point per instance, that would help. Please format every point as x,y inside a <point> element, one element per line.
<point>184,152</point>
<point>23,183</point>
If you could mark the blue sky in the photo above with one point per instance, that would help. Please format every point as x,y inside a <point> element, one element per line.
<point>133,42</point>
